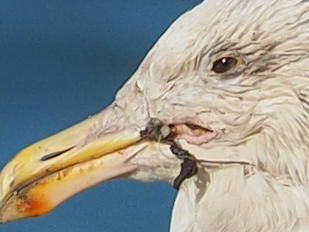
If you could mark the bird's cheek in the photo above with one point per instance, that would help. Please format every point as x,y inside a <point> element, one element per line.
<point>156,162</point>
<point>218,155</point>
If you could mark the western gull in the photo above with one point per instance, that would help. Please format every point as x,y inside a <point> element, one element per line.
<point>219,108</point>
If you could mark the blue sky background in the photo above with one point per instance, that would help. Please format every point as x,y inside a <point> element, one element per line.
<point>61,60</point>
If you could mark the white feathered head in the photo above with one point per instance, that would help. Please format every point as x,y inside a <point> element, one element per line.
<point>230,80</point>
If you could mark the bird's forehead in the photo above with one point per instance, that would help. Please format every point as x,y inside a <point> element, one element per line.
<point>202,23</point>
<point>214,21</point>
<point>248,27</point>
<point>189,35</point>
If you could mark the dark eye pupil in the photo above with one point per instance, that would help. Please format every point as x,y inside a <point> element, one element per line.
<point>224,64</point>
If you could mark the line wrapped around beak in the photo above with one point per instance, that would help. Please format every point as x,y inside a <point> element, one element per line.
<point>48,172</point>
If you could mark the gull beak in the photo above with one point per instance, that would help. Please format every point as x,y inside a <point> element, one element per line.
<point>50,171</point>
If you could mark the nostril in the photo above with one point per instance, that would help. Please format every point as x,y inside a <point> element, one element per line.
<point>11,184</point>
<point>54,154</point>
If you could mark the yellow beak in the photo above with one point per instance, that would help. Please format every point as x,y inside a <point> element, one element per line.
<point>50,171</point>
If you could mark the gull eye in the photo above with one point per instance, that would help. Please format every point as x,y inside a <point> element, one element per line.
<point>223,64</point>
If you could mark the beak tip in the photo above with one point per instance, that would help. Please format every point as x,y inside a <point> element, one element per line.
<point>48,172</point>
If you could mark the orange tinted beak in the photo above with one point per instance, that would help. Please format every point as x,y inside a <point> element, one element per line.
<point>52,170</point>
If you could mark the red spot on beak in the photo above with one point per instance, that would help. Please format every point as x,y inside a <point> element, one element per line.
<point>33,205</point>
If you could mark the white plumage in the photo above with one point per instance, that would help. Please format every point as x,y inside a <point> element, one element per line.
<point>260,106</point>
<point>254,175</point>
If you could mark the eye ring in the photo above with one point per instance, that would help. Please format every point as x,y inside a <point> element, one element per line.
<point>224,64</point>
